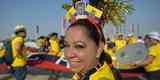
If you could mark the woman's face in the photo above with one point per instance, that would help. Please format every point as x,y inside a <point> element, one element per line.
<point>80,49</point>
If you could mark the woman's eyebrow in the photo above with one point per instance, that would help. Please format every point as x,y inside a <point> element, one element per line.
<point>75,42</point>
<point>80,42</point>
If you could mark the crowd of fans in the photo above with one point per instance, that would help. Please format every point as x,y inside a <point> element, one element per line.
<point>53,44</point>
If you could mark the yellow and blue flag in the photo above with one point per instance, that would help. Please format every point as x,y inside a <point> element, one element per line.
<point>93,11</point>
<point>71,12</point>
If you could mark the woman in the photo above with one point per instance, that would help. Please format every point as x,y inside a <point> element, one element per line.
<point>83,48</point>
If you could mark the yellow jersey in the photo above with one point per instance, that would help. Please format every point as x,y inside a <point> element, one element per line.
<point>120,44</point>
<point>2,52</point>
<point>102,73</point>
<point>109,51</point>
<point>131,40</point>
<point>155,65</point>
<point>54,47</point>
<point>19,59</point>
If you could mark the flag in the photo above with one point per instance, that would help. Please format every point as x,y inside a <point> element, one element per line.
<point>71,12</point>
<point>93,11</point>
<point>66,6</point>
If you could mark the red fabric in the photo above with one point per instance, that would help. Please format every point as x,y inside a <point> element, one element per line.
<point>30,49</point>
<point>3,68</point>
<point>131,74</point>
<point>52,66</point>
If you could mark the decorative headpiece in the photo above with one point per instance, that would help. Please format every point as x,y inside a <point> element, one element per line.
<point>82,10</point>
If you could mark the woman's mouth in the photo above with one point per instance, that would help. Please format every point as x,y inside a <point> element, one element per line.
<point>75,63</point>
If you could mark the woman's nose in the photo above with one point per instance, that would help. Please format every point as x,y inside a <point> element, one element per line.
<point>70,52</point>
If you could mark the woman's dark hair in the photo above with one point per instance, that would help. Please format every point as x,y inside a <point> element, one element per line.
<point>105,57</point>
<point>94,31</point>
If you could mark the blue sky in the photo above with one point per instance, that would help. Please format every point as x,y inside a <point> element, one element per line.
<point>146,15</point>
<point>48,15</point>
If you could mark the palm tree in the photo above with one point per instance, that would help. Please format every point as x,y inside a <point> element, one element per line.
<point>114,11</point>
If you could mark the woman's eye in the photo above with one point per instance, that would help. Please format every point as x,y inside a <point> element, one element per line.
<point>79,46</point>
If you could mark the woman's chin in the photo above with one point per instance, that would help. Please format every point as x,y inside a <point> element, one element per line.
<point>76,70</point>
<point>76,67</point>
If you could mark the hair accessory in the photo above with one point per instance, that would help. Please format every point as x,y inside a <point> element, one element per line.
<point>82,10</point>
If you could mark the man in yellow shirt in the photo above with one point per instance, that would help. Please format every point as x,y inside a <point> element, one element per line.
<point>152,63</point>
<point>131,39</point>
<point>120,42</point>
<point>43,44</point>
<point>18,65</point>
<point>54,45</point>
<point>2,52</point>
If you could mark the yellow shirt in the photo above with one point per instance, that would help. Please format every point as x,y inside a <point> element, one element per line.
<point>19,60</point>
<point>120,44</point>
<point>2,52</point>
<point>40,42</point>
<point>109,51</point>
<point>103,73</point>
<point>155,65</point>
<point>132,40</point>
<point>54,49</point>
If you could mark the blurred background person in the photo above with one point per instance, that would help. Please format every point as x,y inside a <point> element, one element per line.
<point>131,38</point>
<point>54,45</point>
<point>18,65</point>
<point>120,41</point>
<point>152,62</point>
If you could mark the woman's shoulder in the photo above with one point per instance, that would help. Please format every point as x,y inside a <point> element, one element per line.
<point>103,73</point>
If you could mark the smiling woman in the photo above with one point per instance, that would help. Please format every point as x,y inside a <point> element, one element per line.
<point>83,47</point>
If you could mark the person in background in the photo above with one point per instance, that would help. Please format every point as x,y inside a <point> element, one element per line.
<point>140,39</point>
<point>54,45</point>
<point>120,42</point>
<point>46,44</point>
<point>152,62</point>
<point>131,38</point>
<point>147,41</point>
<point>41,41</point>
<point>61,42</point>
<point>2,52</point>
<point>83,48</point>
<point>18,65</point>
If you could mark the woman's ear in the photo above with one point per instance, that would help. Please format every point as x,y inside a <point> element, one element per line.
<point>100,49</point>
